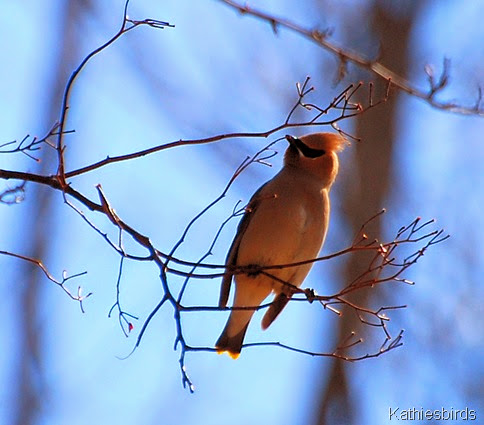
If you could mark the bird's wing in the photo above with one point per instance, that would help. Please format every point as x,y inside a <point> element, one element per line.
<point>231,260</point>
<point>275,308</point>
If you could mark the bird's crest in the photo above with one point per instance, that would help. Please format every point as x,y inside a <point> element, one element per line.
<point>325,141</point>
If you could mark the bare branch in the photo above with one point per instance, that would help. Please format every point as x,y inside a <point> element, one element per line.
<point>343,105</point>
<point>386,346</point>
<point>65,100</point>
<point>321,38</point>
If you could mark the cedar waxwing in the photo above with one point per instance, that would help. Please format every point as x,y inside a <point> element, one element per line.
<point>285,222</point>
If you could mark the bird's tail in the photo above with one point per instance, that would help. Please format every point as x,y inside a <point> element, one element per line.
<point>248,295</point>
<point>231,344</point>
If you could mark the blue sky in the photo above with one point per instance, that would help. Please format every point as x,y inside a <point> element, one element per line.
<point>217,72</point>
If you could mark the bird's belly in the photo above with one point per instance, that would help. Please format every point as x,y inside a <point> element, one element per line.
<point>278,236</point>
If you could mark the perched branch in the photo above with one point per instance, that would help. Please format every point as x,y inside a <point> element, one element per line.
<point>405,235</point>
<point>321,38</point>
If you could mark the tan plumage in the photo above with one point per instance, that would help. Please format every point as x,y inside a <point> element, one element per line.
<point>285,222</point>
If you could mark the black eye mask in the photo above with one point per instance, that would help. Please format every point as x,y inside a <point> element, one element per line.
<point>304,149</point>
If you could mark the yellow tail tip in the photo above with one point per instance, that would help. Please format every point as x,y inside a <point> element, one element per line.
<point>235,356</point>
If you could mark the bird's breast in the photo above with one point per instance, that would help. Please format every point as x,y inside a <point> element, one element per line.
<point>288,225</point>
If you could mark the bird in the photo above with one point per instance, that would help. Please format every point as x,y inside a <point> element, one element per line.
<point>285,222</point>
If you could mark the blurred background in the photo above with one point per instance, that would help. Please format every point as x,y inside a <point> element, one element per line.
<point>219,71</point>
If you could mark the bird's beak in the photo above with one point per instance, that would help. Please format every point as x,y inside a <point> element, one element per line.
<point>291,140</point>
<point>303,149</point>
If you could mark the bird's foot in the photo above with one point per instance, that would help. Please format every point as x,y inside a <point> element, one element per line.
<point>252,270</point>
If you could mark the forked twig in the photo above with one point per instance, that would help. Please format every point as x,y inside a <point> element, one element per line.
<point>79,297</point>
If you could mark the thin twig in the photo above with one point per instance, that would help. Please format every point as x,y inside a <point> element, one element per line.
<point>61,283</point>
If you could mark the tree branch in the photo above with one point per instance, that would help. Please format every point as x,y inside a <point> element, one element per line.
<point>344,55</point>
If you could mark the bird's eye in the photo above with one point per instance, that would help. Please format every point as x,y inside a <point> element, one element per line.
<point>306,150</point>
